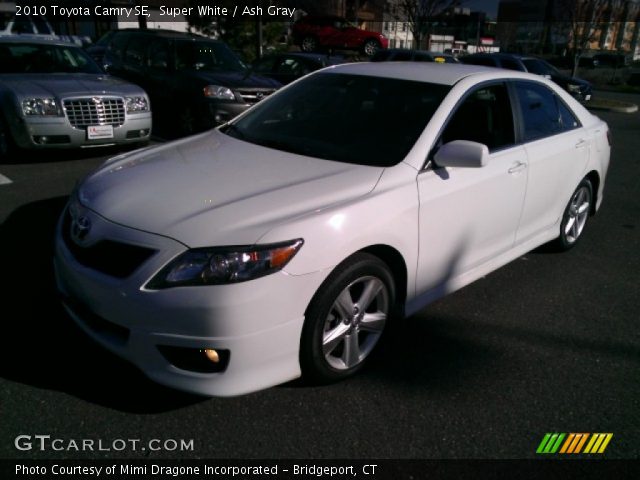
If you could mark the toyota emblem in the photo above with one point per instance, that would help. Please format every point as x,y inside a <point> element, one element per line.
<point>80,228</point>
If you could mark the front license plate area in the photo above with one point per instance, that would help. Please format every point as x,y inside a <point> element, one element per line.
<point>97,132</point>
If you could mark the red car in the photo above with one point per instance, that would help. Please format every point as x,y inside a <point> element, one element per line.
<point>312,33</point>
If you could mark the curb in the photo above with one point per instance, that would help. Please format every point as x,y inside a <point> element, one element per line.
<point>621,107</point>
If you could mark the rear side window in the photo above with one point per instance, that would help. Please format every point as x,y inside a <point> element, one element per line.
<point>568,119</point>
<point>543,113</point>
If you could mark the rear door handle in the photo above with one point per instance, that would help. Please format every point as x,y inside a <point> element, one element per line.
<point>518,167</point>
<point>581,143</point>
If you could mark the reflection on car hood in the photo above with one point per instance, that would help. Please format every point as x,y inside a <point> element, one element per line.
<point>236,79</point>
<point>67,84</point>
<point>213,189</point>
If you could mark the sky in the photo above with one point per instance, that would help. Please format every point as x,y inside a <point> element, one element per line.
<point>489,6</point>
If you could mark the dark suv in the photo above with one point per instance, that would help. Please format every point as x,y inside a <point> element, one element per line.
<point>194,82</point>
<point>312,33</point>
<point>577,87</point>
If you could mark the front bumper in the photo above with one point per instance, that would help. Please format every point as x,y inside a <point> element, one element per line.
<point>57,132</point>
<point>259,322</point>
<point>218,112</point>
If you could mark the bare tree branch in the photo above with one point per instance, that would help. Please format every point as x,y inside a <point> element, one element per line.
<point>419,14</point>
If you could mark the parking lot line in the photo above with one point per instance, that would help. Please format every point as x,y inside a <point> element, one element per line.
<point>4,180</point>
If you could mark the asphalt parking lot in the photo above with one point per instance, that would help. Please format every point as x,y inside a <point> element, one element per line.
<point>548,343</point>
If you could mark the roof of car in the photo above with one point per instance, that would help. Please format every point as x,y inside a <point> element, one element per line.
<point>165,33</point>
<point>430,52</point>
<point>36,40</point>
<point>440,73</point>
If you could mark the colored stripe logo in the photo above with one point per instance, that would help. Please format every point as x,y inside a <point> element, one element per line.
<point>591,443</point>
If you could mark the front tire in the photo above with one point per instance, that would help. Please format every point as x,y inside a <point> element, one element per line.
<point>346,319</point>
<point>575,217</point>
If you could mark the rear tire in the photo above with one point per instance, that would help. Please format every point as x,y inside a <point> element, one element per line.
<point>575,217</point>
<point>346,319</point>
<point>309,44</point>
<point>370,47</point>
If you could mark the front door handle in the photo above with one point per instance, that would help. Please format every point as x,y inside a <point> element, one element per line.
<point>518,167</point>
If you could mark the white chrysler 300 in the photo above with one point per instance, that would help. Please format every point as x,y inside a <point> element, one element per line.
<point>283,243</point>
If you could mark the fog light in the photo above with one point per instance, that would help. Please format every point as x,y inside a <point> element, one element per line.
<point>212,355</point>
<point>202,360</point>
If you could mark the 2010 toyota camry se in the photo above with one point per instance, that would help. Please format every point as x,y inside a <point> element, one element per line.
<point>284,242</point>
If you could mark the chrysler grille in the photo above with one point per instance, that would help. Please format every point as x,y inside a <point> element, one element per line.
<point>83,112</point>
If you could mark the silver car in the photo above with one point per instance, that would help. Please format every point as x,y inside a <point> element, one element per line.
<point>53,95</point>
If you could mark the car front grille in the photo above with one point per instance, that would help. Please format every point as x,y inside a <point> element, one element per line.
<point>254,95</point>
<point>100,326</point>
<point>112,258</point>
<point>83,112</point>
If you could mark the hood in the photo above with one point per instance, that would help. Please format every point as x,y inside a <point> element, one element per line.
<point>213,189</point>
<point>233,79</point>
<point>566,79</point>
<point>68,84</point>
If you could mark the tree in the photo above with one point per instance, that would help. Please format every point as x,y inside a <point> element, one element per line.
<point>586,21</point>
<point>419,14</point>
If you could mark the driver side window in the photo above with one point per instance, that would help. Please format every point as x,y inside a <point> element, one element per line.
<point>484,116</point>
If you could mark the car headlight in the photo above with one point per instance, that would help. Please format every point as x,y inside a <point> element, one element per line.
<point>40,106</point>
<point>573,87</point>
<point>136,104</point>
<point>224,265</point>
<point>221,93</point>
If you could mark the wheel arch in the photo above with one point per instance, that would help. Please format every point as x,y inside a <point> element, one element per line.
<point>398,267</point>
<point>394,260</point>
<point>594,179</point>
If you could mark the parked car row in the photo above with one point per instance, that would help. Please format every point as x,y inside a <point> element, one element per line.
<point>405,55</point>
<point>577,87</point>
<point>192,82</point>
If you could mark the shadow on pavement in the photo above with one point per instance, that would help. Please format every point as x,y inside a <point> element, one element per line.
<point>41,346</point>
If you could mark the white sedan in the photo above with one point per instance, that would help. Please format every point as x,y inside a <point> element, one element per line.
<point>285,242</point>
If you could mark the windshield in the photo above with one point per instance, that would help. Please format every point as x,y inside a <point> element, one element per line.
<point>347,118</point>
<point>539,67</point>
<point>207,56</point>
<point>44,58</point>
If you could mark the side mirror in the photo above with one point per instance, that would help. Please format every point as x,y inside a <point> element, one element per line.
<point>462,153</point>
